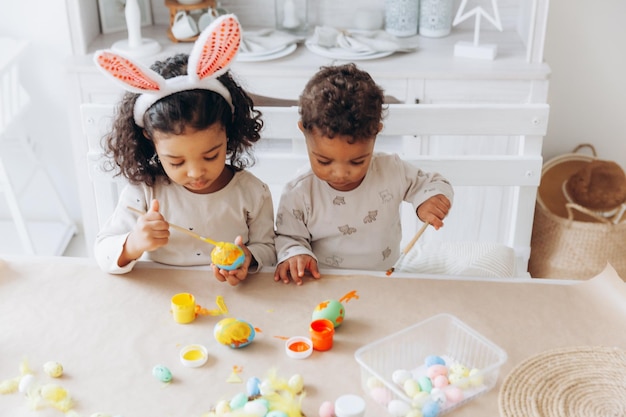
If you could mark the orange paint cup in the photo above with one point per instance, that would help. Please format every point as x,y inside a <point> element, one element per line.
<point>322,332</point>
<point>183,308</point>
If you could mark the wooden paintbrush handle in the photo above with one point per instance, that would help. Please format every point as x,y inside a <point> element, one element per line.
<point>419,233</point>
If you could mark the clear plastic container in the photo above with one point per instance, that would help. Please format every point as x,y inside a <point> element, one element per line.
<point>443,335</point>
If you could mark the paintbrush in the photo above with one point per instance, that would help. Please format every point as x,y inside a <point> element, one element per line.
<point>407,248</point>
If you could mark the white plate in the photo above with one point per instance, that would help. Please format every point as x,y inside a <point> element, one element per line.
<point>337,53</point>
<point>282,52</point>
<point>266,52</point>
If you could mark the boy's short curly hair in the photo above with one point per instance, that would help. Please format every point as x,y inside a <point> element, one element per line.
<point>342,100</point>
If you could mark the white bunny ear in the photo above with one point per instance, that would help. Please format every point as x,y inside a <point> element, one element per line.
<point>131,76</point>
<point>215,48</point>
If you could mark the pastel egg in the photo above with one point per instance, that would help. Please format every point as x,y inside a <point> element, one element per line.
<point>420,399</point>
<point>435,370</point>
<point>434,360</point>
<point>238,401</point>
<point>234,332</point>
<point>440,381</point>
<point>373,382</point>
<point>253,386</point>
<point>454,394</point>
<point>161,373</point>
<point>458,380</point>
<point>255,408</point>
<point>330,309</point>
<point>425,383</point>
<point>459,369</point>
<point>53,369</point>
<point>222,407</point>
<point>414,412</point>
<point>296,383</point>
<point>398,408</point>
<point>327,409</point>
<point>400,375</point>
<point>430,409</point>
<point>411,387</point>
<point>26,382</point>
<point>381,395</point>
<point>476,377</point>
<point>438,396</point>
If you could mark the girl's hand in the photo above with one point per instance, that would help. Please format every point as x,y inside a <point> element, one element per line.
<point>235,276</point>
<point>434,210</point>
<point>150,232</point>
<point>295,267</point>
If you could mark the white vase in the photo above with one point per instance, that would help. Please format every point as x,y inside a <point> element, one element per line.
<point>401,17</point>
<point>292,15</point>
<point>435,18</point>
<point>132,13</point>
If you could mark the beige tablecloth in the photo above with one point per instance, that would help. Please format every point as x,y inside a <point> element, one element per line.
<point>109,331</point>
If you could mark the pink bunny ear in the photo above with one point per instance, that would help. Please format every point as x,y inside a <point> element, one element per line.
<point>215,48</point>
<point>132,76</point>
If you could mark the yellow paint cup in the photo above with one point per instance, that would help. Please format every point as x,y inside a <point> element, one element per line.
<point>183,308</point>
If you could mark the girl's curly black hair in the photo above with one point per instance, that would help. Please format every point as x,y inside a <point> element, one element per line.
<point>342,100</point>
<point>132,154</point>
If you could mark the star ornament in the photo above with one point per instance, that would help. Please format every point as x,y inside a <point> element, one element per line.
<point>474,49</point>
<point>479,12</point>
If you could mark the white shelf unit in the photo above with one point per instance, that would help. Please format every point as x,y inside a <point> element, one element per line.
<point>430,75</point>
<point>21,170</point>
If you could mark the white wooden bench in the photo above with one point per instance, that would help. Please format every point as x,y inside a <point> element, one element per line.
<point>491,153</point>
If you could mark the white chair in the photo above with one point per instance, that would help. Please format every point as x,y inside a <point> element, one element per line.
<point>22,171</point>
<point>491,153</point>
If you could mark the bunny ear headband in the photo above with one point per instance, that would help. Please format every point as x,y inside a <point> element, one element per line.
<point>210,57</point>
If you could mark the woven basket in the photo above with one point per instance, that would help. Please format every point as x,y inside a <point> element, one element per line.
<point>578,381</point>
<point>570,241</point>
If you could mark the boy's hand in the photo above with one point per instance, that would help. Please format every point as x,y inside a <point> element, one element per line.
<point>150,232</point>
<point>235,276</point>
<point>295,267</point>
<point>434,210</point>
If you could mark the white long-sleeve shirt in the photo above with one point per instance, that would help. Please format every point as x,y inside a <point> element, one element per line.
<point>243,207</point>
<point>358,229</point>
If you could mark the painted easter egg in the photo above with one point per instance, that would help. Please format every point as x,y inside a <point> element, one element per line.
<point>53,369</point>
<point>330,309</point>
<point>227,256</point>
<point>161,373</point>
<point>234,332</point>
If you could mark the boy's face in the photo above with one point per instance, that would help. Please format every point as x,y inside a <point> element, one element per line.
<point>341,164</point>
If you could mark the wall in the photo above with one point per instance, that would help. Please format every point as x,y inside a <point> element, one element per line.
<point>583,47</point>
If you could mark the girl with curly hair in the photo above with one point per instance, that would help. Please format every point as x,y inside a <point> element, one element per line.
<point>182,137</point>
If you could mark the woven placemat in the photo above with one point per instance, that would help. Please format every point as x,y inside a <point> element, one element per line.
<point>568,382</point>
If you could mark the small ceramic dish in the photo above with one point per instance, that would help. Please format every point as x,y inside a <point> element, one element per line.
<point>193,356</point>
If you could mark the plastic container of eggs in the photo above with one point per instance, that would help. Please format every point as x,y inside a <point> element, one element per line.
<point>403,371</point>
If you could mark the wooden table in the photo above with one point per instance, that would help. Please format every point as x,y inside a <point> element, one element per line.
<point>110,331</point>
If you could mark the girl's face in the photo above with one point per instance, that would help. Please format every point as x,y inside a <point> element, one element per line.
<point>341,164</point>
<point>195,159</point>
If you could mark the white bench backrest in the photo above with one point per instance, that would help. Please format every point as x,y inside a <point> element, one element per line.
<point>491,153</point>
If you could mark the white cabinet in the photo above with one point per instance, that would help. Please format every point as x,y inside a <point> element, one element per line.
<point>431,74</point>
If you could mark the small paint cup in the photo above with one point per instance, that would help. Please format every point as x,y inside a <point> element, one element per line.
<point>298,347</point>
<point>183,308</point>
<point>322,332</point>
<point>193,356</point>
